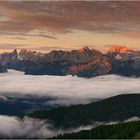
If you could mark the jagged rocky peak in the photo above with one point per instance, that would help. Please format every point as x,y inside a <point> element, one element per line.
<point>83,49</point>
<point>119,49</point>
<point>26,49</point>
<point>14,54</point>
<point>14,51</point>
<point>26,54</point>
<point>87,49</point>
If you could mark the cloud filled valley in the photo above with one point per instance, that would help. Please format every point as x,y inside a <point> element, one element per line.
<point>66,89</point>
<point>14,127</point>
<point>51,90</point>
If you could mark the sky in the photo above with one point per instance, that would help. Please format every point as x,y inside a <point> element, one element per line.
<point>65,25</point>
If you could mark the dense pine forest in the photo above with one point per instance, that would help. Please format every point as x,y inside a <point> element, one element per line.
<point>117,131</point>
<point>117,108</point>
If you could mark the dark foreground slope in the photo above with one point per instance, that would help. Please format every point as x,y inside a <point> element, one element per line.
<point>116,108</point>
<point>127,130</point>
<point>19,106</point>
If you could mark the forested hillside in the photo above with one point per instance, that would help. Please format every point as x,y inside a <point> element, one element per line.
<point>116,108</point>
<point>117,131</point>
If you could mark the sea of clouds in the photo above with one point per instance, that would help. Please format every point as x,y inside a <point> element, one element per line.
<point>67,89</point>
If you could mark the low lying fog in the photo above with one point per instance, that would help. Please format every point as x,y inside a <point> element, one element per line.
<point>68,89</point>
<point>13,127</point>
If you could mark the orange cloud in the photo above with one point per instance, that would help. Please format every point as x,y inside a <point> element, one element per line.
<point>61,17</point>
<point>69,24</point>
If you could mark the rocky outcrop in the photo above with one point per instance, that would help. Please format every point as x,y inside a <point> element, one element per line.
<point>98,66</point>
<point>83,55</point>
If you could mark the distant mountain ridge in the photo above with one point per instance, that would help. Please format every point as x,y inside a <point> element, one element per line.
<point>83,62</point>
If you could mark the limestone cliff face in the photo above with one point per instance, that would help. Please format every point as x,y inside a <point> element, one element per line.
<point>98,66</point>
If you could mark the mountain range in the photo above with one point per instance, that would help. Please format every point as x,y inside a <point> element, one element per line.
<point>84,62</point>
